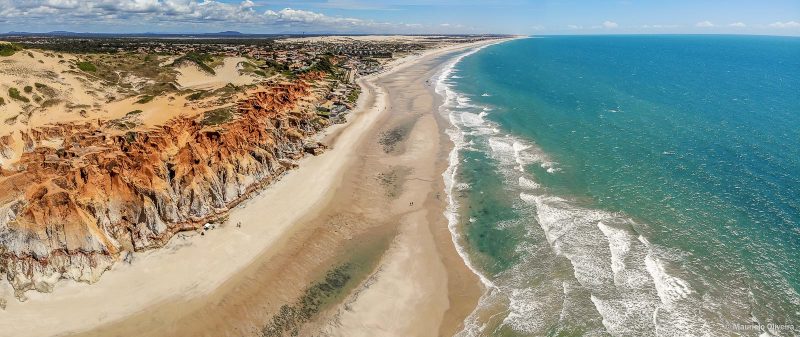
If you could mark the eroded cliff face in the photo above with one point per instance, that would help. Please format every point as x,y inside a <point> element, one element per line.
<point>73,210</point>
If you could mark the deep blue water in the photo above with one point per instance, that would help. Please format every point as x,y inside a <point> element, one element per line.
<point>632,185</point>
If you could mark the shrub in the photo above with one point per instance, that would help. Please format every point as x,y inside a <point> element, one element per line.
<point>145,99</point>
<point>28,89</point>
<point>2,101</point>
<point>14,93</point>
<point>352,96</point>
<point>217,116</point>
<point>195,96</point>
<point>8,49</point>
<point>198,59</point>
<point>86,66</point>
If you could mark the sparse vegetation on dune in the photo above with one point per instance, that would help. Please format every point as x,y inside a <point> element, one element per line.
<point>201,60</point>
<point>352,96</point>
<point>217,116</point>
<point>45,90</point>
<point>132,73</point>
<point>145,99</point>
<point>86,66</point>
<point>252,68</point>
<point>8,49</point>
<point>196,95</point>
<point>14,93</point>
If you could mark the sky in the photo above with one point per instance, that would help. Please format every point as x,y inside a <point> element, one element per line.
<point>526,17</point>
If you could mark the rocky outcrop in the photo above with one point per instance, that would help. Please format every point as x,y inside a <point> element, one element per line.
<point>72,212</point>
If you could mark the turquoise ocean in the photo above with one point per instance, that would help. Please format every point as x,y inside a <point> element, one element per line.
<point>628,185</point>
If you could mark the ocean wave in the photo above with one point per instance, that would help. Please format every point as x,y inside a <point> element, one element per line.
<point>621,277</point>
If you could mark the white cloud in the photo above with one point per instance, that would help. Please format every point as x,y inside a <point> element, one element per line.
<point>738,24</point>
<point>610,24</point>
<point>574,27</point>
<point>789,24</point>
<point>704,24</point>
<point>178,13</point>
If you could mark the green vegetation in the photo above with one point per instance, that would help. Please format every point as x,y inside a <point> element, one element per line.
<point>253,69</point>
<point>217,116</point>
<point>352,96</point>
<point>8,49</point>
<point>324,65</point>
<point>196,95</point>
<point>134,74</point>
<point>324,112</point>
<point>87,66</point>
<point>133,113</point>
<point>27,89</point>
<point>2,101</point>
<point>45,90</point>
<point>145,99</point>
<point>198,59</point>
<point>14,93</point>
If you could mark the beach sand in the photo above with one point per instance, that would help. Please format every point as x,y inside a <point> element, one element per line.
<point>350,206</point>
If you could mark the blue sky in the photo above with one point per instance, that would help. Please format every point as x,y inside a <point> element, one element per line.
<point>774,17</point>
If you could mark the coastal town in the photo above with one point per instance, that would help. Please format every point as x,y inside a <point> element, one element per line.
<point>270,60</point>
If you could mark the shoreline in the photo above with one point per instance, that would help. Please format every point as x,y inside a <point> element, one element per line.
<point>190,268</point>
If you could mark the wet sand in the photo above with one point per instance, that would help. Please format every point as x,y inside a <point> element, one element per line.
<point>350,207</point>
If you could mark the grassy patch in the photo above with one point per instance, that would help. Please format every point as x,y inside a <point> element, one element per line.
<point>199,59</point>
<point>217,116</point>
<point>14,93</point>
<point>324,112</point>
<point>196,95</point>
<point>45,90</point>
<point>352,96</point>
<point>145,99</point>
<point>253,69</point>
<point>8,49</point>
<point>87,66</point>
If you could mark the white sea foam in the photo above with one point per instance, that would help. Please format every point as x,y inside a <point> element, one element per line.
<point>462,187</point>
<point>472,327</point>
<point>670,289</point>
<point>619,244</point>
<point>527,184</point>
<point>618,273</point>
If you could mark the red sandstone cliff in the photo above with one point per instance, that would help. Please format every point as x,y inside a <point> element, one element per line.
<point>72,212</point>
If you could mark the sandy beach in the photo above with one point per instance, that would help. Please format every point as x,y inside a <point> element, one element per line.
<point>373,201</point>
